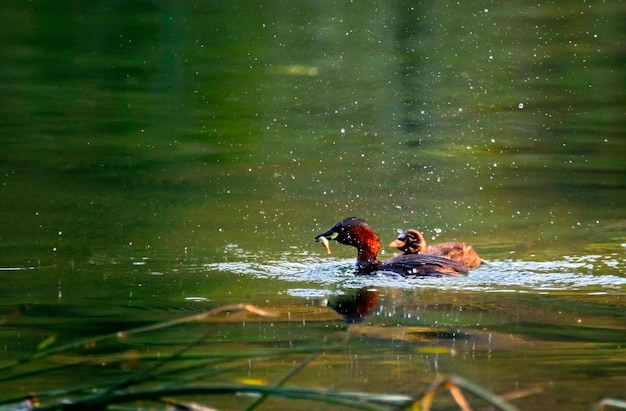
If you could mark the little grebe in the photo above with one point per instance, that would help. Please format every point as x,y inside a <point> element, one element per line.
<point>412,242</point>
<point>356,233</point>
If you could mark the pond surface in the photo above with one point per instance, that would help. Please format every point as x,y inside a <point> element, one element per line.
<point>159,160</point>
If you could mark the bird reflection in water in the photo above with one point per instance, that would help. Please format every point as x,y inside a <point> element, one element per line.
<point>354,307</point>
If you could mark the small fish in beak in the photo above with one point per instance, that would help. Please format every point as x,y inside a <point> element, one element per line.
<point>325,243</point>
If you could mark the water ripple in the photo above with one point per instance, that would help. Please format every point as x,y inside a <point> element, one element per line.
<point>596,274</point>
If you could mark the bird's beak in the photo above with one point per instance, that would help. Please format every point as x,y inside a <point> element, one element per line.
<point>397,244</point>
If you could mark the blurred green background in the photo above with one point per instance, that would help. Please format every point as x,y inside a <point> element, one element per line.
<point>144,143</point>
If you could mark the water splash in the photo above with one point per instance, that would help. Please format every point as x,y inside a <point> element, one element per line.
<point>595,274</point>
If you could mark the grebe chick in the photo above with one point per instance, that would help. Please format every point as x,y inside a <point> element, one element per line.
<point>412,242</point>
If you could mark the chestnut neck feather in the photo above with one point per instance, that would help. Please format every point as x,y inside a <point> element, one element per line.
<point>366,242</point>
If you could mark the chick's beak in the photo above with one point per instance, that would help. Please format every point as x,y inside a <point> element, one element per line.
<point>397,244</point>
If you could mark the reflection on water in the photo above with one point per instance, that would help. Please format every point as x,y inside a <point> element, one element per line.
<point>355,306</point>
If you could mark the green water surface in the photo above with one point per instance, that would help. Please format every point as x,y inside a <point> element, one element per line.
<point>162,158</point>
